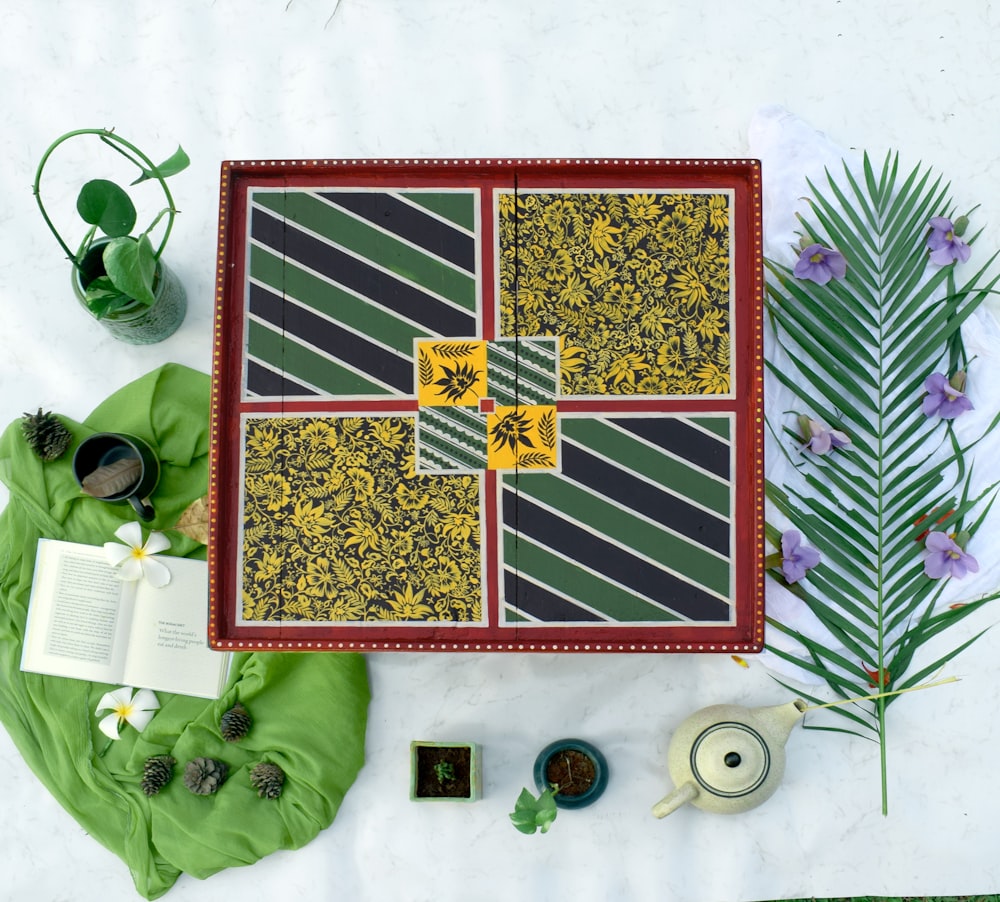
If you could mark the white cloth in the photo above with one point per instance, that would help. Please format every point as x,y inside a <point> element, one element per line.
<point>793,155</point>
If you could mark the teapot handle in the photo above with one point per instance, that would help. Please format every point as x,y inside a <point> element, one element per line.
<point>680,796</point>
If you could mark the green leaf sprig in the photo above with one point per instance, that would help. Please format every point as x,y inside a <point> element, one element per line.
<point>862,339</point>
<point>534,813</point>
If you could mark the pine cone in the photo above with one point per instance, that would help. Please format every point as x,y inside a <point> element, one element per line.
<point>235,723</point>
<point>157,773</point>
<point>203,776</point>
<point>45,434</point>
<point>268,779</point>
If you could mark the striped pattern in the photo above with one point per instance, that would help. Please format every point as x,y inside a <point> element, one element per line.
<point>523,371</point>
<point>342,282</point>
<point>451,439</point>
<point>636,528</point>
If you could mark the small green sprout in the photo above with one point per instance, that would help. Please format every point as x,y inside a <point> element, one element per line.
<point>531,814</point>
<point>445,771</point>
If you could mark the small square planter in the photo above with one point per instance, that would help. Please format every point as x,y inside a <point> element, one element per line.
<point>446,771</point>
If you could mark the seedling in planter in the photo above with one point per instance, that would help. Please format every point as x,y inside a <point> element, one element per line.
<point>444,771</point>
<point>441,771</point>
<point>531,813</point>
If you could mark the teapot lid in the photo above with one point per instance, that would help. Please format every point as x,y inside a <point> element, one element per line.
<point>730,759</point>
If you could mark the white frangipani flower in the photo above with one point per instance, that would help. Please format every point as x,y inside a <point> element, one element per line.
<point>127,705</point>
<point>134,560</point>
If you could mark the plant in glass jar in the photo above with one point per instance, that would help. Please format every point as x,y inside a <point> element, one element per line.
<point>118,273</point>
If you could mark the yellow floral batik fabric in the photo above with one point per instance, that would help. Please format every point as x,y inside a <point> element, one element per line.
<point>637,285</point>
<point>338,526</point>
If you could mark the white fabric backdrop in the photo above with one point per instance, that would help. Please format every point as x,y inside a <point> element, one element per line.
<point>793,155</point>
<point>299,78</point>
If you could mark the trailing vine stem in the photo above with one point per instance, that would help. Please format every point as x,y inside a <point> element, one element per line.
<point>120,145</point>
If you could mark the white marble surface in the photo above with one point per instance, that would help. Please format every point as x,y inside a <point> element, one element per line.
<point>302,78</point>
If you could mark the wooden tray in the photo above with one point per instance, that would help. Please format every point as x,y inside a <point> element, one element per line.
<point>488,405</point>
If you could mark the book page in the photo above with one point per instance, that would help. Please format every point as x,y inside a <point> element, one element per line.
<point>79,614</point>
<point>168,648</point>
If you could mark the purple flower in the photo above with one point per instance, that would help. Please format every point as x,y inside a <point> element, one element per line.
<point>820,264</point>
<point>943,556</point>
<point>796,558</point>
<point>943,399</point>
<point>818,439</point>
<point>944,244</point>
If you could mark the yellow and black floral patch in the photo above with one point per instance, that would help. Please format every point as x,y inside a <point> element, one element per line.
<point>451,373</point>
<point>338,526</point>
<point>524,437</point>
<point>637,286</point>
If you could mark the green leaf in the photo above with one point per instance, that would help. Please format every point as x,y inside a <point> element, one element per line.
<point>102,298</point>
<point>817,667</point>
<point>105,205</point>
<point>176,162</point>
<point>531,814</point>
<point>131,266</point>
<point>937,664</point>
<point>819,701</point>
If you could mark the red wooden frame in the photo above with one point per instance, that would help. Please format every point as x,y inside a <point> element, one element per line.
<point>740,177</point>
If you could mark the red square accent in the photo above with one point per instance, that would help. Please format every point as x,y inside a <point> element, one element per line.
<point>486,405</point>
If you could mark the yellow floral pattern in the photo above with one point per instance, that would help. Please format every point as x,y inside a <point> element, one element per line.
<point>638,286</point>
<point>338,526</point>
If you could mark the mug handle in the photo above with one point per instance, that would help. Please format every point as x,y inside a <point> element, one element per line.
<point>145,511</point>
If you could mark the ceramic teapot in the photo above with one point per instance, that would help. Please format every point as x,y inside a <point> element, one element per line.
<point>727,758</point>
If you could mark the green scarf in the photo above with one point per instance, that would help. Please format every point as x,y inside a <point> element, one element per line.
<point>309,710</point>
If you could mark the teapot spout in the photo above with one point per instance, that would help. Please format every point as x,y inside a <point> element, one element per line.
<point>784,717</point>
<point>680,796</point>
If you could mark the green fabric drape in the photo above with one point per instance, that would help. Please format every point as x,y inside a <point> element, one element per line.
<point>309,711</point>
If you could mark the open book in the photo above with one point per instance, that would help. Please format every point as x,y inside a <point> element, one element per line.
<point>86,623</point>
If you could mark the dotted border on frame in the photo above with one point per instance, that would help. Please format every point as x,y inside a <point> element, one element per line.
<point>610,647</point>
<point>263,165</point>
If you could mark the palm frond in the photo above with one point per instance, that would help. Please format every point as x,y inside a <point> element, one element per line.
<point>856,352</point>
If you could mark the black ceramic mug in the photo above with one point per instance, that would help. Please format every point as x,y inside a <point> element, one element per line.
<point>108,449</point>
